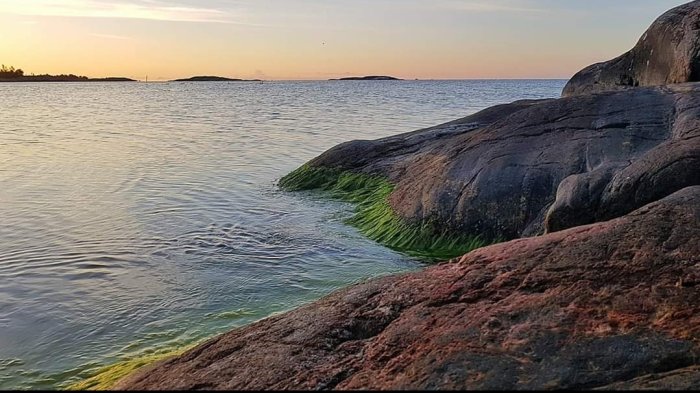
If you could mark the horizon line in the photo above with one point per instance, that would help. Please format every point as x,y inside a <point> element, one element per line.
<point>336,80</point>
<point>330,76</point>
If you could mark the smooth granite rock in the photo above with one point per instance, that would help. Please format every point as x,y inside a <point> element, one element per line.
<point>581,308</point>
<point>668,52</point>
<point>525,168</point>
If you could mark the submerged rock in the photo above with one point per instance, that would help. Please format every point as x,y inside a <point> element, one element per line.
<point>668,52</point>
<point>581,308</point>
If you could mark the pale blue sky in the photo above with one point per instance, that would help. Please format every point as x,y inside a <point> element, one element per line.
<point>318,39</point>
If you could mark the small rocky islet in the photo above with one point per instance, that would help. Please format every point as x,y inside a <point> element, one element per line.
<point>368,78</point>
<point>594,201</point>
<point>207,78</point>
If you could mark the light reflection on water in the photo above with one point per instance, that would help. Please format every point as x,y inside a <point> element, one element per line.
<point>139,215</point>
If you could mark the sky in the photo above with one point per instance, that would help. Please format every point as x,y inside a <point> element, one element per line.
<point>320,39</point>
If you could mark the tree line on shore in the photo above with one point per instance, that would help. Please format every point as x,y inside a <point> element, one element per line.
<point>10,72</point>
<point>17,73</point>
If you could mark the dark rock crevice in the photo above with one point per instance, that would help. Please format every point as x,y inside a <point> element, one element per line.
<point>687,378</point>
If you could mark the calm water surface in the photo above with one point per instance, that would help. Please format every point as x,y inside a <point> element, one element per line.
<point>142,216</point>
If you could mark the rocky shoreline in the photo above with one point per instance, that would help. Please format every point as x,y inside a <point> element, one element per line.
<point>581,308</point>
<point>64,78</point>
<point>597,285</point>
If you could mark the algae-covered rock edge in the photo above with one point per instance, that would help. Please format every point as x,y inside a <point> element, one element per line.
<point>374,217</point>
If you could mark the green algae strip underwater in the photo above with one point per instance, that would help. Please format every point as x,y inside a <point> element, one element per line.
<point>374,217</point>
<point>106,377</point>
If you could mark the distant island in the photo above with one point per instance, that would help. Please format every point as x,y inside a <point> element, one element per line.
<point>214,79</point>
<point>12,74</point>
<point>368,78</point>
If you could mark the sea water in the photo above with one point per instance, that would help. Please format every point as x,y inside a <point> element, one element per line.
<point>139,216</point>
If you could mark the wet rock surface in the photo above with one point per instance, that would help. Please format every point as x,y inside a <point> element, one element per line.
<point>586,307</point>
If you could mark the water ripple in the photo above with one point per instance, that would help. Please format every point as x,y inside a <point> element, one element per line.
<point>142,216</point>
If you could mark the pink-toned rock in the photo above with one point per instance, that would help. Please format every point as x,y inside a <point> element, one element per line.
<point>582,308</point>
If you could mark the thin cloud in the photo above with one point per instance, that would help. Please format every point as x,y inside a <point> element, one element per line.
<point>489,6</point>
<point>135,9</point>
<point>110,36</point>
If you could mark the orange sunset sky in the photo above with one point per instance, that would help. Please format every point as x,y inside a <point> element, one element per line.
<point>320,39</point>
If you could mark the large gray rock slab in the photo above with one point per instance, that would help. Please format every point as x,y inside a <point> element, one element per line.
<point>530,167</point>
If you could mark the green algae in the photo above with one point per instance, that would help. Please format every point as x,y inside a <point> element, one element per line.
<point>106,377</point>
<point>375,218</point>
